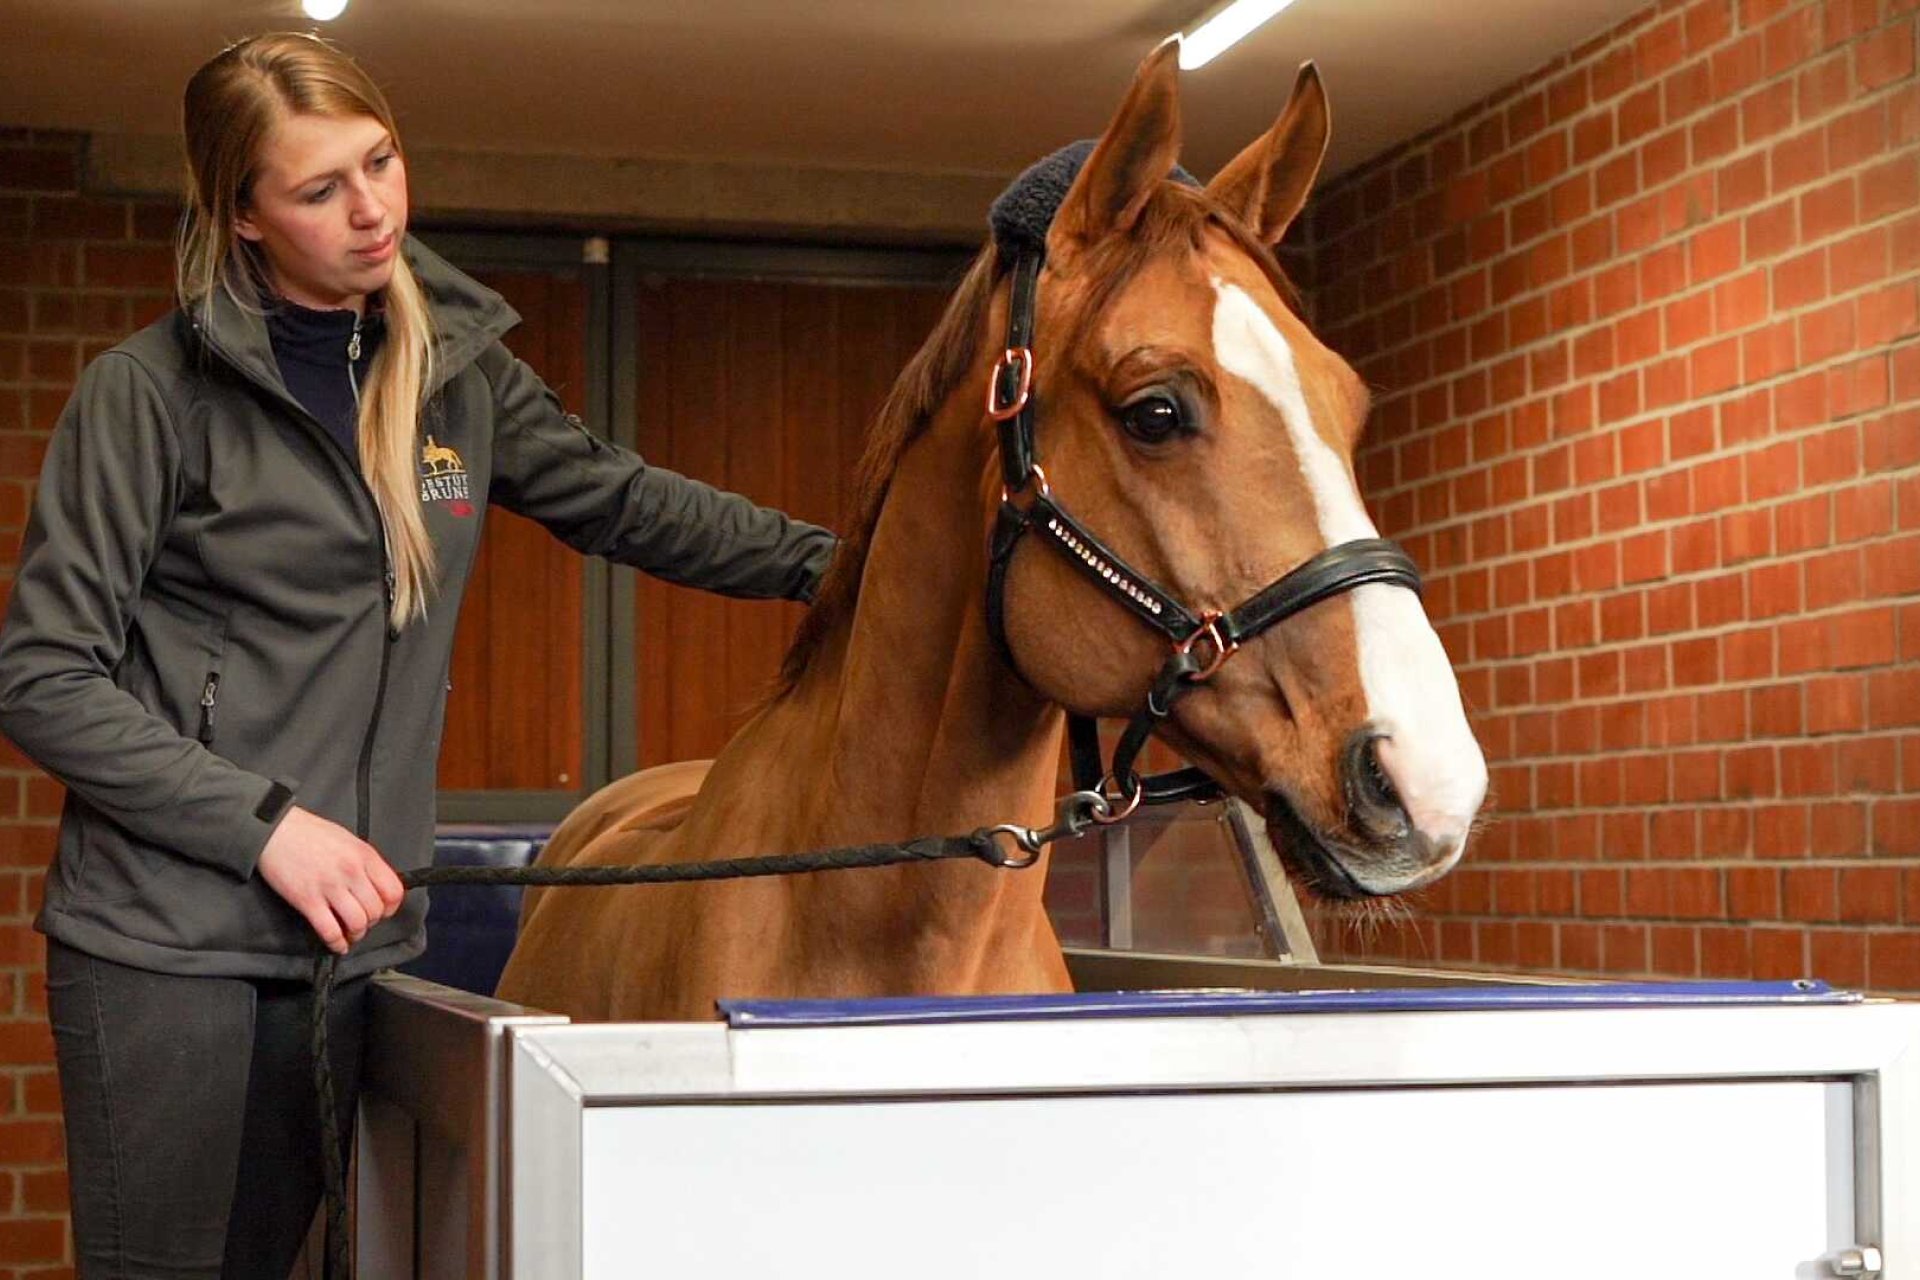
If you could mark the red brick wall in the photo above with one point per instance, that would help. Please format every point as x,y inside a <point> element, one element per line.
<point>1643,332</point>
<point>76,276</point>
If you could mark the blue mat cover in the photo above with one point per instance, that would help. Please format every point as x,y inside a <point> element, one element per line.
<point>1164,1004</point>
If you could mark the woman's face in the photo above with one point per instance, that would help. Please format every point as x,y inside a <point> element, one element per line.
<point>328,208</point>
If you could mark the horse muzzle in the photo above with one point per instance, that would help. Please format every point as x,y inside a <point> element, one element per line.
<point>1386,856</point>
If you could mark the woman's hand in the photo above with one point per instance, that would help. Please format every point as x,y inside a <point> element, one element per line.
<point>338,881</point>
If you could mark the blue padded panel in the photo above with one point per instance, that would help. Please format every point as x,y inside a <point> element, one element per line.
<point>1160,1004</point>
<point>470,928</point>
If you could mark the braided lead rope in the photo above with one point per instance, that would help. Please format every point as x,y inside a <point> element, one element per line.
<point>978,845</point>
<point>1073,816</point>
<point>338,1264</point>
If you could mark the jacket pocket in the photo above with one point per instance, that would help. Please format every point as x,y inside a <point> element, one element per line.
<point>101,865</point>
<point>209,704</point>
<point>206,710</point>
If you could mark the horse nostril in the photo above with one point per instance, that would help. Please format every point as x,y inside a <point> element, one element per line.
<point>1375,805</point>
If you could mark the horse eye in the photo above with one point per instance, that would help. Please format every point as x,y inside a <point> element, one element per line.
<point>1153,420</point>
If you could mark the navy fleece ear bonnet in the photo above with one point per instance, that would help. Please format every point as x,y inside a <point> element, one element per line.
<point>1023,212</point>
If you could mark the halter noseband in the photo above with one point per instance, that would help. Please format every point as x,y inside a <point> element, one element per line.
<point>1337,569</point>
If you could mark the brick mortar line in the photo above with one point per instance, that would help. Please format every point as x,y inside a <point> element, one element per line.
<point>1666,524</point>
<point>1683,808</point>
<point>1882,928</point>
<point>1695,631</point>
<point>1720,452</point>
<point>1719,804</point>
<point>1609,108</point>
<point>1621,647</point>
<point>1572,336</point>
<point>1731,862</point>
<point>1590,52</point>
<point>1713,168</point>
<point>1894,736</point>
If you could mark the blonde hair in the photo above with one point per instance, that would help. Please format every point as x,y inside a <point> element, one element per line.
<point>232,104</point>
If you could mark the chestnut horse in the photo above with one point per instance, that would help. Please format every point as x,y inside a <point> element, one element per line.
<point>1187,414</point>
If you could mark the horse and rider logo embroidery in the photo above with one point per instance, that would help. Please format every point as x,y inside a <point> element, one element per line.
<point>443,478</point>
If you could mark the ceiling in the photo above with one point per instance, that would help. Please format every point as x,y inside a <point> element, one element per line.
<point>918,85</point>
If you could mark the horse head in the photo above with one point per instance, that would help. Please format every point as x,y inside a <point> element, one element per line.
<point>1187,416</point>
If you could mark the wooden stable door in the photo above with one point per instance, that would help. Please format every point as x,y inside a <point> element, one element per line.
<point>514,713</point>
<point>766,389</point>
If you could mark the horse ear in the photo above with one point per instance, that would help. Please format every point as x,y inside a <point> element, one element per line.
<point>1139,148</point>
<point>1268,183</point>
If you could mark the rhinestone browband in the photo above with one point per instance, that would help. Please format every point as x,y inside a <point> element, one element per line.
<point>1100,566</point>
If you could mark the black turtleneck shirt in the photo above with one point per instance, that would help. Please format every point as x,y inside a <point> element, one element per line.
<point>311,349</point>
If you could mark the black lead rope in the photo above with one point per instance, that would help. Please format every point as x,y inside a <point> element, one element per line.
<point>1075,813</point>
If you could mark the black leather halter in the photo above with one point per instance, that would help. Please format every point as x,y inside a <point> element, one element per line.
<point>1201,641</point>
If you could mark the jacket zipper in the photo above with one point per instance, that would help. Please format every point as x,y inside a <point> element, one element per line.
<point>391,633</point>
<point>208,695</point>
<point>364,782</point>
<point>353,354</point>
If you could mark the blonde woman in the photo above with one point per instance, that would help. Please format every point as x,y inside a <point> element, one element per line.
<point>229,635</point>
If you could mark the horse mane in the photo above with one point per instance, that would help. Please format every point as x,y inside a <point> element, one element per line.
<point>922,387</point>
<point>1175,215</point>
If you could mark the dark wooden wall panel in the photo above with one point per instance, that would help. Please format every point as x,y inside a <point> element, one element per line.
<point>756,359</point>
<point>514,713</point>
<point>766,389</point>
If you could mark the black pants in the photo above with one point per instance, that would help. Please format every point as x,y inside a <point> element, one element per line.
<point>193,1144</point>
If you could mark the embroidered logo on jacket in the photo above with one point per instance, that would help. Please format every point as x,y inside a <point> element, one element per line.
<point>443,478</point>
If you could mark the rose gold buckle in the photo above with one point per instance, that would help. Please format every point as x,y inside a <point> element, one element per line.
<point>1022,356</point>
<point>1035,472</point>
<point>1210,628</point>
<point>1114,813</point>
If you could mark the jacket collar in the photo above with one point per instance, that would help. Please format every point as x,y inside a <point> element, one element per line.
<point>467,318</point>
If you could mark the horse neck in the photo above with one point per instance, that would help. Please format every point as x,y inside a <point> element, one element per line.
<point>931,721</point>
<point>922,729</point>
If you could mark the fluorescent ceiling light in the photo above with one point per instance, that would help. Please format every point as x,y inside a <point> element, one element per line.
<point>324,10</point>
<point>1222,27</point>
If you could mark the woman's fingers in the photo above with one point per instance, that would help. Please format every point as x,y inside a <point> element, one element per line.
<point>386,883</point>
<point>372,910</point>
<point>349,911</point>
<point>338,882</point>
<point>320,916</point>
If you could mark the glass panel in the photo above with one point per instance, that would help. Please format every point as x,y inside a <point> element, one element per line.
<point>1172,879</point>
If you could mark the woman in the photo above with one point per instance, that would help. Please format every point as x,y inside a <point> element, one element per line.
<point>229,637</point>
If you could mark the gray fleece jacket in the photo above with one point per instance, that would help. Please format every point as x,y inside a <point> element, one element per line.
<point>197,636</point>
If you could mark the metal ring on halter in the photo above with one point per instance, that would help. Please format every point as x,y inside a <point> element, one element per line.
<point>1072,813</point>
<point>1022,356</point>
<point>1023,837</point>
<point>1034,472</point>
<point>1112,814</point>
<point>1222,649</point>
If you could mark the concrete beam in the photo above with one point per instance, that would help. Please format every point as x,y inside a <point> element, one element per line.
<point>635,195</point>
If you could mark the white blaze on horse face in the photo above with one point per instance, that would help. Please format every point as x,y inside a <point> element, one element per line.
<point>1429,752</point>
